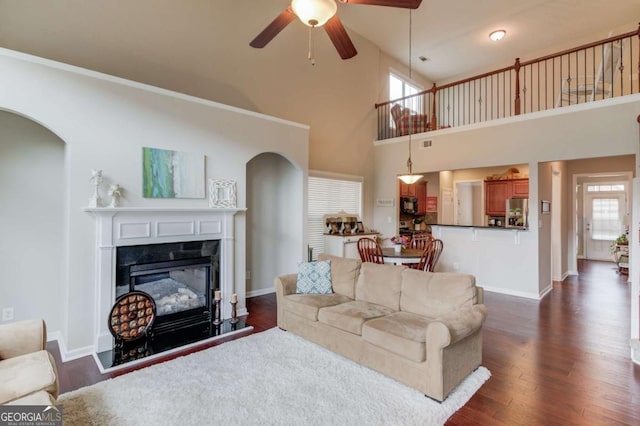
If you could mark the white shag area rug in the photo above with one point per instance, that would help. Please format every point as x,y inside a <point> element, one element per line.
<point>268,378</point>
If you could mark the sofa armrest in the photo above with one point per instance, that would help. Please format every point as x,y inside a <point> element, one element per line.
<point>22,337</point>
<point>455,326</point>
<point>285,285</point>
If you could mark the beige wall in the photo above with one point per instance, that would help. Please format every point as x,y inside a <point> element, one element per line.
<point>544,228</point>
<point>32,173</point>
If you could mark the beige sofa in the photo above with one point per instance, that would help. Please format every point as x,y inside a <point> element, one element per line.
<point>421,328</point>
<point>28,373</point>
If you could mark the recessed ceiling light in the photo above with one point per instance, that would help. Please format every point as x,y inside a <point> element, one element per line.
<point>497,35</point>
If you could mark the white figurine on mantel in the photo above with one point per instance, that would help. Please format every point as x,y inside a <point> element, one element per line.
<point>96,201</point>
<point>115,191</point>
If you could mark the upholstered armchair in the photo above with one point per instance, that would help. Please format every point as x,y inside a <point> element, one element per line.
<point>28,373</point>
<point>408,123</point>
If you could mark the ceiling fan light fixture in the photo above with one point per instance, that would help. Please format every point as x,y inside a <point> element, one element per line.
<point>314,13</point>
<point>497,35</point>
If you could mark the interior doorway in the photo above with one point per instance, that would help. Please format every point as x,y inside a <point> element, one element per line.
<point>33,172</point>
<point>563,232</point>
<point>274,236</point>
<point>469,204</point>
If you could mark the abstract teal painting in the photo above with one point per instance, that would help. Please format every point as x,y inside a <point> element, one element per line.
<point>172,174</point>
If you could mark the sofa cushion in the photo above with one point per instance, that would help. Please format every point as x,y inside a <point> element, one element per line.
<point>344,274</point>
<point>38,398</point>
<point>26,374</point>
<point>307,305</point>
<point>314,277</point>
<point>402,333</point>
<point>351,315</point>
<point>380,284</point>
<point>436,293</point>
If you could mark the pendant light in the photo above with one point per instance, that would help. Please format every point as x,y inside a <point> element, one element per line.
<point>410,178</point>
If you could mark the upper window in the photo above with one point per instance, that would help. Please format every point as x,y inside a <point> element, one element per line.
<point>400,87</point>
<point>605,188</point>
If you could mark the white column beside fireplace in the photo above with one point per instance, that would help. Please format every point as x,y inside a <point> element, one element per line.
<point>127,226</point>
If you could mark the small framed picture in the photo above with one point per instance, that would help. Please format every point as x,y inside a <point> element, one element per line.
<point>359,227</point>
<point>545,207</point>
<point>334,228</point>
<point>222,193</point>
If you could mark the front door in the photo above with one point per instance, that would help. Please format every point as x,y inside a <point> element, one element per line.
<point>604,222</point>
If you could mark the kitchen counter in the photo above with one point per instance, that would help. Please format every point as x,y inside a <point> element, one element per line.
<point>498,228</point>
<point>345,245</point>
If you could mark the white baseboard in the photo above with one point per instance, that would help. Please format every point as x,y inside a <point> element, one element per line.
<point>65,354</point>
<point>546,291</point>
<point>526,295</point>
<point>260,292</point>
<point>561,277</point>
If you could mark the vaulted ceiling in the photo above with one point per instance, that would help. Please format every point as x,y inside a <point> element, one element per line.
<point>453,35</point>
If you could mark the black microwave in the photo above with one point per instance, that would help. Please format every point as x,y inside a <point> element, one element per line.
<point>409,205</point>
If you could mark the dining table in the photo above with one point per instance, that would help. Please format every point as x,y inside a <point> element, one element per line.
<point>407,255</point>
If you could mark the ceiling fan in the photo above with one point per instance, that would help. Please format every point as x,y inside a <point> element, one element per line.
<point>317,13</point>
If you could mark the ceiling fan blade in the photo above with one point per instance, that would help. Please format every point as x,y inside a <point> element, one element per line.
<point>273,28</point>
<point>407,4</point>
<point>340,38</point>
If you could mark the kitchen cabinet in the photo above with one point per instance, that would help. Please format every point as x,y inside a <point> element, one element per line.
<point>495,195</point>
<point>497,192</point>
<point>407,190</point>
<point>520,188</point>
<point>421,195</point>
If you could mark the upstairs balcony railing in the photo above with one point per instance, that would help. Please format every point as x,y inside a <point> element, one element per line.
<point>600,70</point>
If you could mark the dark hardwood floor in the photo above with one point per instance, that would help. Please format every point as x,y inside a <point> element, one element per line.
<point>562,361</point>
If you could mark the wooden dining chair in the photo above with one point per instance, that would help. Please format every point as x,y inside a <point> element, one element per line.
<point>430,256</point>
<point>370,250</point>
<point>419,241</point>
<point>438,245</point>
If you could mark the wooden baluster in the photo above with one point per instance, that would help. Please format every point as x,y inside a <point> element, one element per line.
<point>434,118</point>
<point>516,103</point>
<point>637,69</point>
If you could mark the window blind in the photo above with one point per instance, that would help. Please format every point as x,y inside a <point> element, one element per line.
<point>325,196</point>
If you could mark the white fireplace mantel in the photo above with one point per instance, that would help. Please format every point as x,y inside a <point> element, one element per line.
<point>125,226</point>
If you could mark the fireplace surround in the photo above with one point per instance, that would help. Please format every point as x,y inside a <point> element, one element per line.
<point>135,226</point>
